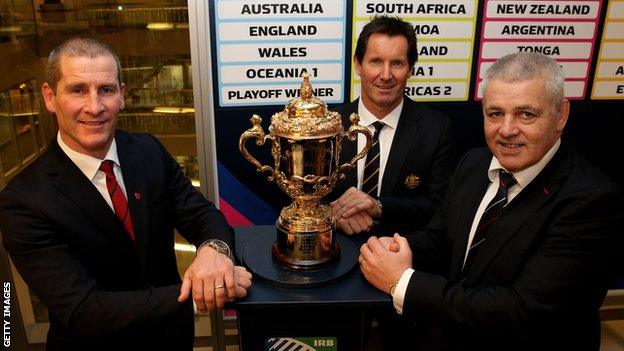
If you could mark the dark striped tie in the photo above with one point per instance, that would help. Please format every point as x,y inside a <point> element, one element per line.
<point>119,200</point>
<point>491,214</point>
<point>370,180</point>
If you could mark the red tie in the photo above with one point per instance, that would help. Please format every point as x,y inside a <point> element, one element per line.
<point>119,200</point>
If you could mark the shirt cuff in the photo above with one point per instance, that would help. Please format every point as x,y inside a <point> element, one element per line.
<point>399,292</point>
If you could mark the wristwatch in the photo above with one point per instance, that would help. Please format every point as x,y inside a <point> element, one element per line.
<point>380,207</point>
<point>219,246</point>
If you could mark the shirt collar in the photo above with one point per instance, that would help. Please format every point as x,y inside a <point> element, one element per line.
<point>391,119</point>
<point>89,165</point>
<point>525,176</point>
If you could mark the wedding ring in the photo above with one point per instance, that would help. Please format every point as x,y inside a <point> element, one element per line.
<point>218,287</point>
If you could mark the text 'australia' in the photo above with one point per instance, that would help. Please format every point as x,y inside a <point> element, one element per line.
<point>287,8</point>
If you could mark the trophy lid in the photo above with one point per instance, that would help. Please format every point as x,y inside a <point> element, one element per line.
<point>306,105</point>
<point>306,116</point>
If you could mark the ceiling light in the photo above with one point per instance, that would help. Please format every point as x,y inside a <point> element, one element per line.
<point>160,26</point>
<point>169,109</point>
<point>10,29</point>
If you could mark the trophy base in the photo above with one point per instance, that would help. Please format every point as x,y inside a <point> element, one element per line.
<point>305,250</point>
<point>253,253</point>
<point>305,265</point>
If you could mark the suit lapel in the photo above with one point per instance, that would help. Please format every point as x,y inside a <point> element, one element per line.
<point>469,197</point>
<point>133,170</point>
<point>521,208</point>
<point>401,144</point>
<point>73,184</point>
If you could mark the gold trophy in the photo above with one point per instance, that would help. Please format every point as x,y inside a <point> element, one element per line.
<point>306,143</point>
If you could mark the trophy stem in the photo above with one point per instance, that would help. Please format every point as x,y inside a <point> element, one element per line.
<point>305,236</point>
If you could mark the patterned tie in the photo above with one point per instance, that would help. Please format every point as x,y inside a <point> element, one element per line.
<point>119,200</point>
<point>491,214</point>
<point>370,181</point>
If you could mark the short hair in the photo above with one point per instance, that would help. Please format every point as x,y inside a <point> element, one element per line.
<point>522,66</point>
<point>78,47</point>
<point>391,26</point>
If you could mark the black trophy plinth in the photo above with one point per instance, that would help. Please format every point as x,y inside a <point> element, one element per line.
<point>324,308</point>
<point>257,257</point>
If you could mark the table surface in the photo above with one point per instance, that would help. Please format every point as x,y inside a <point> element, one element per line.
<point>351,289</point>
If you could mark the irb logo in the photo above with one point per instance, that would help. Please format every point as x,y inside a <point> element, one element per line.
<point>324,342</point>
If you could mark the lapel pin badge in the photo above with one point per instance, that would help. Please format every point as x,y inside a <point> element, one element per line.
<point>546,191</point>
<point>137,196</point>
<point>411,181</point>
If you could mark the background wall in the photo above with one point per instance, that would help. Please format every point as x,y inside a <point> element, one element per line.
<point>456,43</point>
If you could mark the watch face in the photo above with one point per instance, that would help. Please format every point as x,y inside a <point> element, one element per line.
<point>220,246</point>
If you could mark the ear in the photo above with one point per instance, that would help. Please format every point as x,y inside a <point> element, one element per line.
<point>562,117</point>
<point>48,97</point>
<point>358,66</point>
<point>122,93</point>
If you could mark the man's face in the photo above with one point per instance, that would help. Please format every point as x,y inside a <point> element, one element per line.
<point>519,122</point>
<point>384,71</point>
<point>87,100</point>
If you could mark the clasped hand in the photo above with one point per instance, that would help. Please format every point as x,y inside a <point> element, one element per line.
<point>214,280</point>
<point>383,260</point>
<point>354,211</point>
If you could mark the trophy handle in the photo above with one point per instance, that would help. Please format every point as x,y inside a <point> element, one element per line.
<point>257,133</point>
<point>351,134</point>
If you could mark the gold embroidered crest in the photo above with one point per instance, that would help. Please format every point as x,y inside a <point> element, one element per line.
<point>412,181</point>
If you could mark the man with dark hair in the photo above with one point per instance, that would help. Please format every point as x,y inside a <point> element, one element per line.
<point>403,178</point>
<point>520,254</point>
<point>90,224</point>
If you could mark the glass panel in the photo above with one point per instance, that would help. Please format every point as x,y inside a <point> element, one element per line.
<point>9,154</point>
<point>22,98</point>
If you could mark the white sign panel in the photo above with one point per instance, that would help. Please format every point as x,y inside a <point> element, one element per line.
<point>264,47</point>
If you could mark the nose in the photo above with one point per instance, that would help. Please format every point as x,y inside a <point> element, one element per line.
<point>93,104</point>
<point>386,73</point>
<point>508,126</point>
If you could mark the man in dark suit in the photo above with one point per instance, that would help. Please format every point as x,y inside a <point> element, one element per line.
<point>414,143</point>
<point>89,225</point>
<point>520,254</point>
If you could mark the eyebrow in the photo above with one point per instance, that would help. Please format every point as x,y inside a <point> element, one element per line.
<point>72,86</point>
<point>75,85</point>
<point>491,107</point>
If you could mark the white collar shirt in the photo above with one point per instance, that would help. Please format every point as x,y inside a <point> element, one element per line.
<point>386,136</point>
<point>90,165</point>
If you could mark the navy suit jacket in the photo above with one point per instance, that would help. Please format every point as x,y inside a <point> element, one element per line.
<point>102,290</point>
<point>418,168</point>
<point>541,275</point>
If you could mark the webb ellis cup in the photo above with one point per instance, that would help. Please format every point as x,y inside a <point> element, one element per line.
<point>306,142</point>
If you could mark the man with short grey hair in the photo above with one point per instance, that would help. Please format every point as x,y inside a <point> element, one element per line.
<point>520,255</point>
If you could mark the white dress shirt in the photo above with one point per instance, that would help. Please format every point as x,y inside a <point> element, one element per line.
<point>523,178</point>
<point>386,135</point>
<point>90,166</point>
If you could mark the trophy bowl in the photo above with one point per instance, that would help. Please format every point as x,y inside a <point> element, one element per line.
<point>306,143</point>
